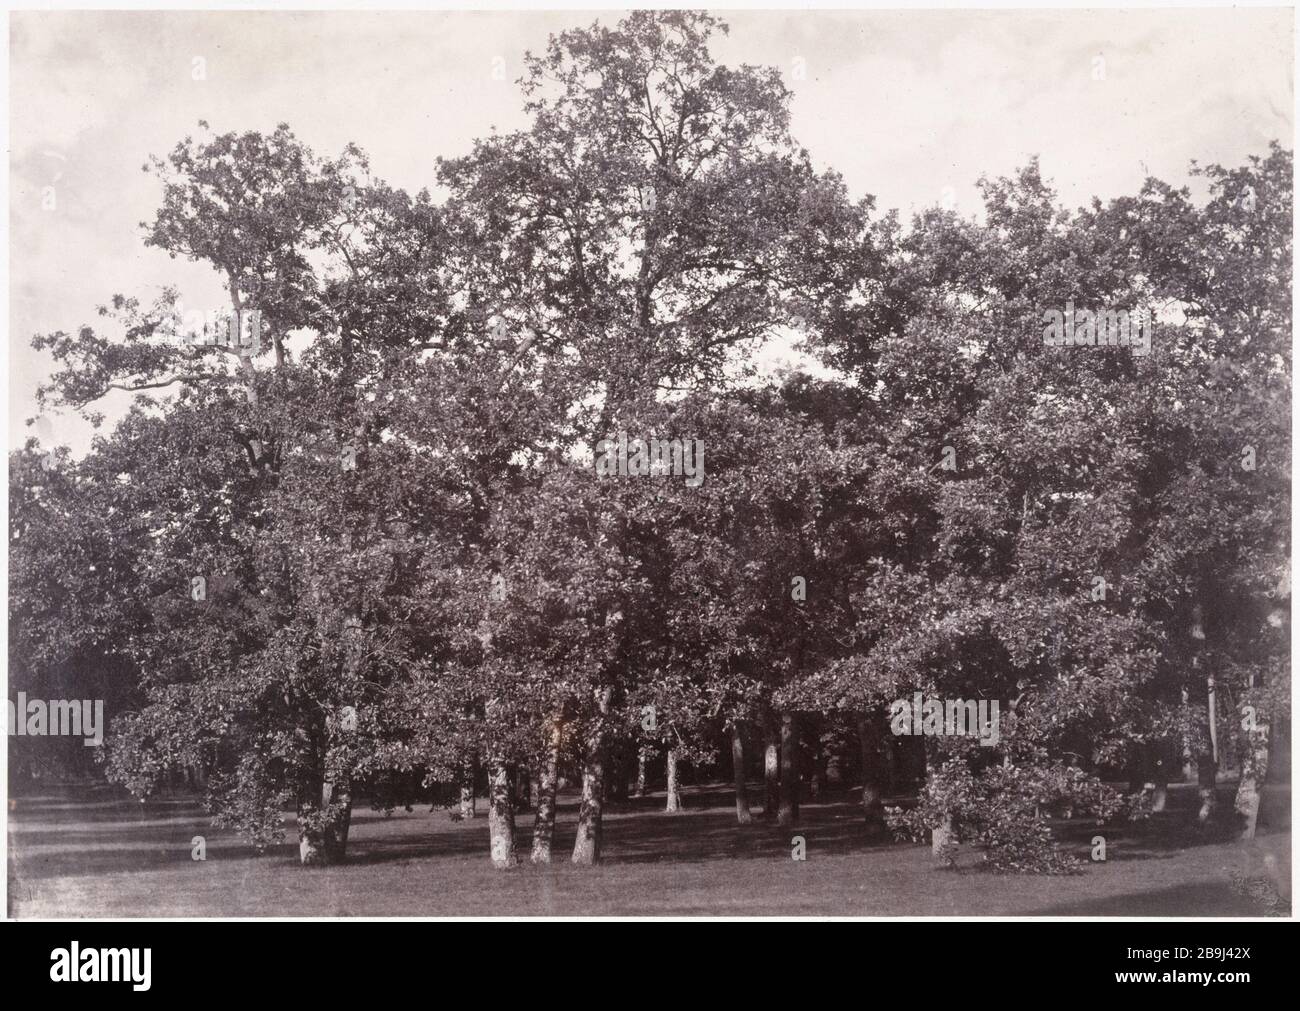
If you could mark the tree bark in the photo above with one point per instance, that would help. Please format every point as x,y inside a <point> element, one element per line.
<point>738,774</point>
<point>788,813</point>
<point>941,835</point>
<point>544,823</point>
<point>641,754</point>
<point>586,847</point>
<point>1254,767</point>
<point>674,803</point>
<point>1207,764</point>
<point>323,830</point>
<point>501,815</point>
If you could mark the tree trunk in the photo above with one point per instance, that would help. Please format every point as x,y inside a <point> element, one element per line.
<point>1189,760</point>
<point>544,823</point>
<point>586,847</point>
<point>501,815</point>
<point>1207,765</point>
<point>325,812</point>
<point>771,772</point>
<point>941,835</point>
<point>619,775</point>
<point>1206,777</point>
<point>523,778</point>
<point>889,752</point>
<point>1160,776</point>
<point>817,781</point>
<point>323,830</point>
<point>1254,767</point>
<point>467,811</point>
<point>641,754</point>
<point>674,804</point>
<point>788,813</point>
<point>738,773</point>
<point>868,741</point>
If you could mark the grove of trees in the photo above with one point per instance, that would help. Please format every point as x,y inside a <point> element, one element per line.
<point>371,558</point>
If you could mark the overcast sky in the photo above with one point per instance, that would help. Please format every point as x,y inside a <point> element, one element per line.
<point>903,104</point>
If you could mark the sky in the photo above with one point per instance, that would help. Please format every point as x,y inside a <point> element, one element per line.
<point>912,107</point>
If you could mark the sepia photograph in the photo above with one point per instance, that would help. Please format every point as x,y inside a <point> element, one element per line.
<point>649,463</point>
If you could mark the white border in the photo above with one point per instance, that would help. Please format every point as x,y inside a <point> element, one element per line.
<point>496,5</point>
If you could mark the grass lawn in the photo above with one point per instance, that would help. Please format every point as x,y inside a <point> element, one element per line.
<point>94,852</point>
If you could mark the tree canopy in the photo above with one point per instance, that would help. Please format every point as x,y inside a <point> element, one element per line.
<point>369,550</point>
